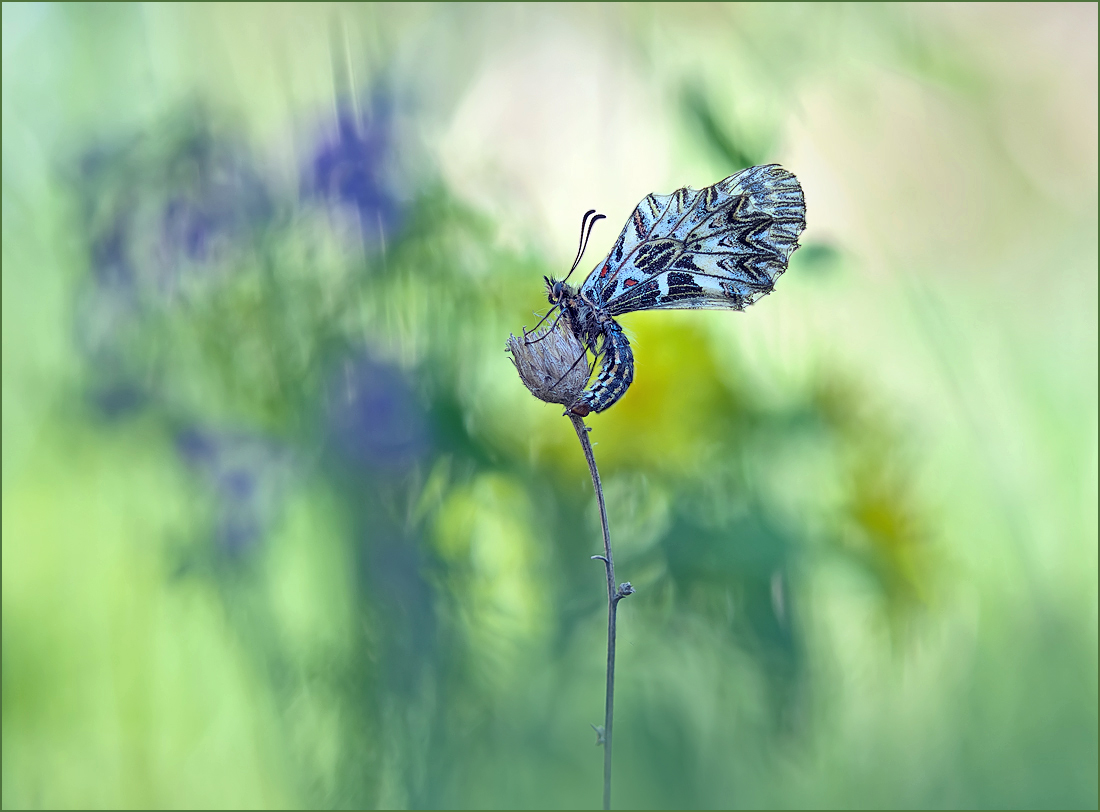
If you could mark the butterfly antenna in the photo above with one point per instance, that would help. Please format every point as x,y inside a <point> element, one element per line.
<point>584,238</point>
<point>580,241</point>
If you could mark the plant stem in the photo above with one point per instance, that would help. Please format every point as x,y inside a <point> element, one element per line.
<point>614,595</point>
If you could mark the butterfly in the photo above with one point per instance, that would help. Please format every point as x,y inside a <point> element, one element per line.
<point>721,247</point>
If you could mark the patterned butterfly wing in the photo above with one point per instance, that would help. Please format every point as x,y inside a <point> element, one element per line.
<point>719,247</point>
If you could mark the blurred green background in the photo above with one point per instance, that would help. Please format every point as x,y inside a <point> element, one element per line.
<point>281,526</point>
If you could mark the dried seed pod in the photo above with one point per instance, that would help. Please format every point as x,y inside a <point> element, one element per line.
<point>552,363</point>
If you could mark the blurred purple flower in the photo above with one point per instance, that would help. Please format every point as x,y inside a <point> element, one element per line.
<point>115,398</point>
<point>110,258</point>
<point>173,202</point>
<point>221,199</point>
<point>352,167</point>
<point>375,420</point>
<point>247,478</point>
<point>162,202</point>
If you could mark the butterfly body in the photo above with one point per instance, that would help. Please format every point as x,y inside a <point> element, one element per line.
<point>721,247</point>
<point>600,332</point>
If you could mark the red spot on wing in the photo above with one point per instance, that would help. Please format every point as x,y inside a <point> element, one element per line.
<point>603,273</point>
<point>629,283</point>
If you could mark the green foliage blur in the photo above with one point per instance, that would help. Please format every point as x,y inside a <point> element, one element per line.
<point>281,526</point>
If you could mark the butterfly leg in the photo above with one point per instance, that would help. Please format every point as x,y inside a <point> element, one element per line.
<point>544,335</point>
<point>573,366</point>
<point>527,332</point>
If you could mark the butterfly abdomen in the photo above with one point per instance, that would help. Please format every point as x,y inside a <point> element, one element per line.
<point>615,375</point>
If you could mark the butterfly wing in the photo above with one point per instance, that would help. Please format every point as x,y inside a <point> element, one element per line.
<point>719,247</point>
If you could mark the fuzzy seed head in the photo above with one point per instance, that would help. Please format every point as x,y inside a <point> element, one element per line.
<point>548,366</point>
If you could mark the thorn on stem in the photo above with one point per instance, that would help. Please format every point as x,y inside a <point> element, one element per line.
<point>599,558</point>
<point>599,734</point>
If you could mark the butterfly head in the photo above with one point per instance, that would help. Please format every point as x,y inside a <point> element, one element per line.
<point>557,290</point>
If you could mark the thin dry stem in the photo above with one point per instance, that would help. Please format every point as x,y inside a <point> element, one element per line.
<point>614,595</point>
